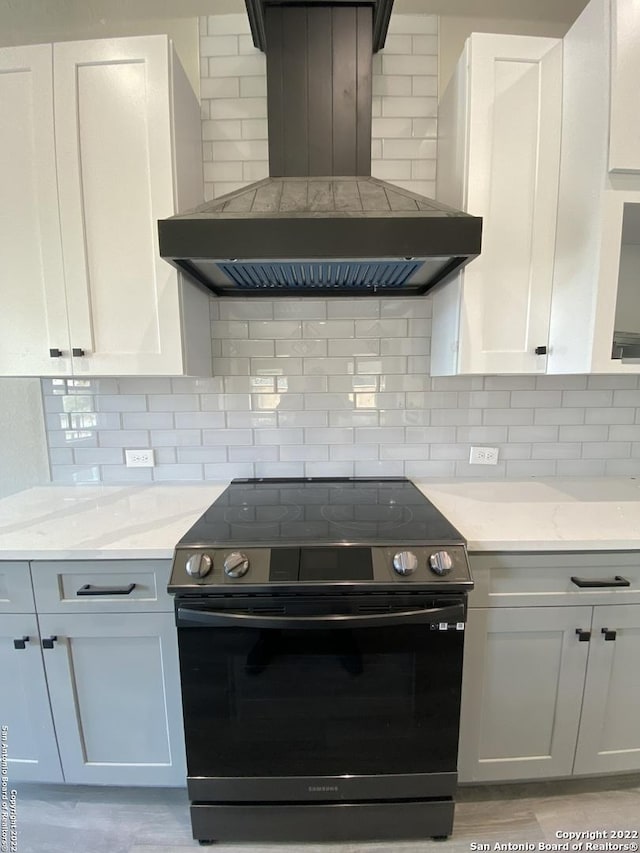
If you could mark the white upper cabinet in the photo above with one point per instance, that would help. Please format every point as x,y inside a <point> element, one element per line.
<point>94,158</point>
<point>595,319</point>
<point>498,157</point>
<point>33,315</point>
<point>624,130</point>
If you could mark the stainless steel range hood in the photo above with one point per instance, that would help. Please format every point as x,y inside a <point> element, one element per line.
<point>309,229</point>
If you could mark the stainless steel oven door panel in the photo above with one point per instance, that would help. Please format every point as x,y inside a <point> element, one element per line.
<point>305,698</point>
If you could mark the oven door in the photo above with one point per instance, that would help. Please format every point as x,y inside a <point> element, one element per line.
<point>329,706</point>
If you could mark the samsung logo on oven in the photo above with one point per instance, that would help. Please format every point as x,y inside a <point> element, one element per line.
<point>323,788</point>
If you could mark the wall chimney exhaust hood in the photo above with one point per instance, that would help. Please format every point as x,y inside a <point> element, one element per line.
<point>320,225</point>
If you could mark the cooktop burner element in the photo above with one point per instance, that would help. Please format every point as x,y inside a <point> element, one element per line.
<point>266,534</point>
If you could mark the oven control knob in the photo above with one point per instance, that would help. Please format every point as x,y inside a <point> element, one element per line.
<point>236,564</point>
<point>405,563</point>
<point>441,562</point>
<point>199,565</point>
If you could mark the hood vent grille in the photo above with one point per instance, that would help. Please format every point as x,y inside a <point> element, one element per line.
<point>321,275</point>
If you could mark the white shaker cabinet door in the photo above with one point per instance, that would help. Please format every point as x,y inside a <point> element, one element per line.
<point>115,695</point>
<point>609,739</point>
<point>115,174</point>
<point>523,679</point>
<point>33,317</point>
<point>24,705</point>
<point>514,159</point>
<point>504,106</point>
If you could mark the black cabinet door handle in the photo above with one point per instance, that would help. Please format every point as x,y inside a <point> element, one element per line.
<point>583,636</point>
<point>541,350</point>
<point>596,583</point>
<point>89,589</point>
<point>77,352</point>
<point>48,642</point>
<point>608,635</point>
<point>55,352</point>
<point>21,643</point>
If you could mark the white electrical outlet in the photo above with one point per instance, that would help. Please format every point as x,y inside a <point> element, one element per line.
<point>139,458</point>
<point>483,456</point>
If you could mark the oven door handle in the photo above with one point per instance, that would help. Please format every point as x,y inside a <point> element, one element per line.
<point>189,617</point>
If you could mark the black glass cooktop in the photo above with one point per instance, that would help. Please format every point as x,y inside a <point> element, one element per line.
<point>360,511</point>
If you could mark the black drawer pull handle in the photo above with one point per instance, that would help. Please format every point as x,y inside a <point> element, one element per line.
<point>21,643</point>
<point>609,635</point>
<point>48,643</point>
<point>583,636</point>
<point>77,352</point>
<point>541,350</point>
<point>597,583</point>
<point>88,589</point>
<point>55,352</point>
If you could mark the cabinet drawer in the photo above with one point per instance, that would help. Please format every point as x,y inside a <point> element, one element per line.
<point>16,595</point>
<point>544,579</point>
<point>103,586</point>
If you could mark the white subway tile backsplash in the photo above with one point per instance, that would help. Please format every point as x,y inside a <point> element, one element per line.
<point>560,416</point>
<point>249,420</point>
<point>438,468</point>
<point>304,453</point>
<point>253,87</point>
<point>199,420</point>
<point>352,309</point>
<point>606,450</point>
<point>226,45</point>
<point>414,107</point>
<point>354,418</point>
<point>328,329</point>
<point>223,24</point>
<point>173,402</point>
<point>583,433</point>
<point>308,348</point>
<point>274,329</point>
<point>609,415</point>
<point>177,473</point>
<point>190,455</point>
<point>389,85</point>
<point>410,64</point>
<point>328,435</point>
<point>279,436</point>
<point>354,346</point>
<point>414,24</point>
<point>234,348</point>
<point>123,438</point>
<point>238,66</point>
<point>227,437</point>
<point>148,420</point>
<point>175,437</point>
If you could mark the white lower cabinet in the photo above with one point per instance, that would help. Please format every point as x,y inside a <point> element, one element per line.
<point>609,736</point>
<point>24,709</point>
<point>554,690</point>
<point>94,692</point>
<point>524,675</point>
<point>115,696</point>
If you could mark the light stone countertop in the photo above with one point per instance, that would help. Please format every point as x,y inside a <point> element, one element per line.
<point>545,514</point>
<point>120,522</point>
<point>100,522</point>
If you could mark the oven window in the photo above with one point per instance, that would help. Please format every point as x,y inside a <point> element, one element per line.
<point>320,702</point>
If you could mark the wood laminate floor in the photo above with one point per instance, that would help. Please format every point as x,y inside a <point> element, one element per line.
<point>70,819</point>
